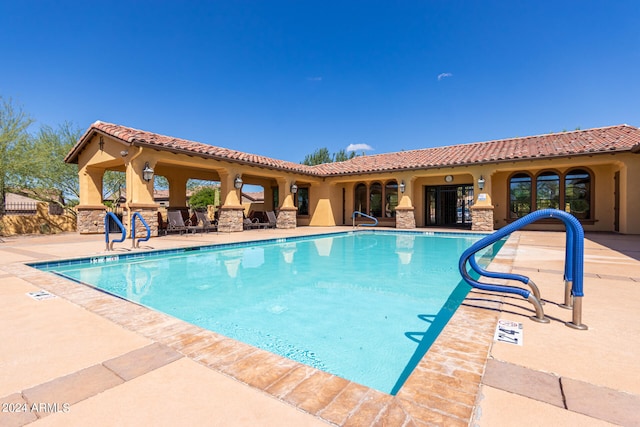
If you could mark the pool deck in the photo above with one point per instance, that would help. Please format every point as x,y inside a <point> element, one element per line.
<point>87,358</point>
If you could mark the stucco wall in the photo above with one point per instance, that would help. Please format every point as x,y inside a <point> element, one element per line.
<point>39,223</point>
<point>603,192</point>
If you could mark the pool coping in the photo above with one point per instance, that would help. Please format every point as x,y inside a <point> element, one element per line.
<point>442,389</point>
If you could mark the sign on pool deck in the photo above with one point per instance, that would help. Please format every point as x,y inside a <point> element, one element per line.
<point>509,332</point>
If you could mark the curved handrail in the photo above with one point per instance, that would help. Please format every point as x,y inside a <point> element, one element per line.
<point>353,219</point>
<point>574,265</point>
<point>135,243</point>
<point>106,230</point>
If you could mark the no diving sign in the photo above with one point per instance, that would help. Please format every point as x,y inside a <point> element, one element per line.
<point>509,332</point>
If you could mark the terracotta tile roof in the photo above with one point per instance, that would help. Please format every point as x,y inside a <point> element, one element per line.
<point>580,142</point>
<point>138,137</point>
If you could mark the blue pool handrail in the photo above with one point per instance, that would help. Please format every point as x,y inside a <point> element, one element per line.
<point>106,230</point>
<point>136,243</point>
<point>353,219</point>
<point>573,272</point>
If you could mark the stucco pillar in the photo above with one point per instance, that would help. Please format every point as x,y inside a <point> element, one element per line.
<point>231,212</point>
<point>177,191</point>
<point>287,214</point>
<point>139,197</point>
<point>91,211</point>
<point>629,199</point>
<point>405,211</point>
<point>482,209</point>
<point>321,210</point>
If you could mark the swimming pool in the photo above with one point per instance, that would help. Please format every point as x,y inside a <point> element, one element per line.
<point>365,306</point>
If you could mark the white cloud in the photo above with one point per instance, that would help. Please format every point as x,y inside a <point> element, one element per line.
<point>444,75</point>
<point>359,147</point>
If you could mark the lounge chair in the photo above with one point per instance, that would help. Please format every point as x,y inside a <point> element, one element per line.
<point>176,223</point>
<point>204,223</point>
<point>162,224</point>
<point>273,220</point>
<point>249,224</point>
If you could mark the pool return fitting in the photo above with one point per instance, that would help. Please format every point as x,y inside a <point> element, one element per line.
<point>573,267</point>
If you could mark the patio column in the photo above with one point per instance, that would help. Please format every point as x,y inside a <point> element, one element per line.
<point>140,196</point>
<point>482,209</point>
<point>91,211</point>
<point>287,214</point>
<point>231,211</point>
<point>405,211</point>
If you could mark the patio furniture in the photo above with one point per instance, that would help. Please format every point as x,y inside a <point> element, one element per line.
<point>273,220</point>
<point>249,224</point>
<point>176,223</point>
<point>207,225</point>
<point>162,224</point>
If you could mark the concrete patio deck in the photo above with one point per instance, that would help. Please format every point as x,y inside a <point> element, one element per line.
<point>89,358</point>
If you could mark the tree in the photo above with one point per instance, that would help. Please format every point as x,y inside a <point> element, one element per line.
<point>204,197</point>
<point>322,155</point>
<point>342,156</point>
<point>113,185</point>
<point>13,134</point>
<point>40,170</point>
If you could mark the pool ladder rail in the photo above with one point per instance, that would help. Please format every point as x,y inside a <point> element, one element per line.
<point>573,269</point>
<point>353,219</point>
<point>134,243</point>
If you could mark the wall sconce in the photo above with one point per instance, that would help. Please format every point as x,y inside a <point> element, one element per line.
<point>402,186</point>
<point>481,183</point>
<point>237,182</point>
<point>147,172</point>
<point>294,188</point>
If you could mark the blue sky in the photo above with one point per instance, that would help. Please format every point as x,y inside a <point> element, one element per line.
<point>283,79</point>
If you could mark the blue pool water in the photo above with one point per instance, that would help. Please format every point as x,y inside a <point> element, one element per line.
<point>364,306</point>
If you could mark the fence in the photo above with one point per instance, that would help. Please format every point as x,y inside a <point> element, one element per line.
<point>29,208</point>
<point>21,208</point>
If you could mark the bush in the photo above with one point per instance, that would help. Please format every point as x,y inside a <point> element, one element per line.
<point>204,197</point>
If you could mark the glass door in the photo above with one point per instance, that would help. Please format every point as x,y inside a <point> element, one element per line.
<point>448,205</point>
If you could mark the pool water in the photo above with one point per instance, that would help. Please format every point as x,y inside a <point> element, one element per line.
<point>365,306</point>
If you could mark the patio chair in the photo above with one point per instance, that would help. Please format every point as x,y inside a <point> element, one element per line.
<point>273,220</point>
<point>206,224</point>
<point>249,224</point>
<point>176,223</point>
<point>162,224</point>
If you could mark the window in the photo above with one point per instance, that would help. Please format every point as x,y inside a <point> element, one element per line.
<point>577,193</point>
<point>391,199</point>
<point>375,200</point>
<point>360,199</point>
<point>520,195</point>
<point>302,199</point>
<point>550,190</point>
<point>275,191</point>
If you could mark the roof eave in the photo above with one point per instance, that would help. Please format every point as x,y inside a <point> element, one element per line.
<point>140,143</point>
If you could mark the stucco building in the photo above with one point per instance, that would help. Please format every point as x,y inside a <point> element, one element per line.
<point>593,174</point>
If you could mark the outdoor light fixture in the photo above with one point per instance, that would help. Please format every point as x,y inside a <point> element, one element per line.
<point>294,188</point>
<point>402,186</point>
<point>147,172</point>
<point>481,183</point>
<point>124,153</point>
<point>237,182</point>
